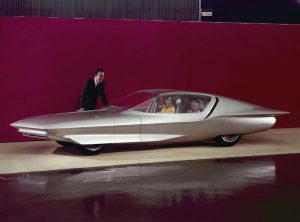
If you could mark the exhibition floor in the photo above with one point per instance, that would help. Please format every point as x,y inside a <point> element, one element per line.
<point>235,189</point>
<point>48,155</point>
<point>194,182</point>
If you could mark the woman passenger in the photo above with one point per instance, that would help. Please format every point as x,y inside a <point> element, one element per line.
<point>169,106</point>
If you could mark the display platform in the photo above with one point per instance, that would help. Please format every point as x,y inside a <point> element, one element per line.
<point>35,156</point>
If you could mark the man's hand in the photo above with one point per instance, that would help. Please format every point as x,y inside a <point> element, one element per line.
<point>81,109</point>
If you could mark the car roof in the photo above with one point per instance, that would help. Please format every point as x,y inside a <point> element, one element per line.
<point>174,91</point>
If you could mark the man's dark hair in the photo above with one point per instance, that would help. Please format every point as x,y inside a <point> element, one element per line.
<point>193,99</point>
<point>99,70</point>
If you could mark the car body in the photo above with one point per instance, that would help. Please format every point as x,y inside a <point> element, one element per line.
<point>137,118</point>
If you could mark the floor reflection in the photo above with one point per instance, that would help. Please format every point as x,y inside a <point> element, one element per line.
<point>264,188</point>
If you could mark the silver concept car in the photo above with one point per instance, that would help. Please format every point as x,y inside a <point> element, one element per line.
<point>153,116</point>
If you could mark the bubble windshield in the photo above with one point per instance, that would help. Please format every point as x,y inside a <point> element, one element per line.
<point>132,100</point>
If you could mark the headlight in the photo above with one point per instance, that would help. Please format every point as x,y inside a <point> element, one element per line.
<point>33,132</point>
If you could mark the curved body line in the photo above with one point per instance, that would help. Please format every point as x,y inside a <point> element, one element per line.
<point>141,121</point>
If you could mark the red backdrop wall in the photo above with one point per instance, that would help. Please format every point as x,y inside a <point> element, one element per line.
<point>44,63</point>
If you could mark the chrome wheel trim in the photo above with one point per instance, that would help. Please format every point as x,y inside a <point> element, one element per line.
<point>230,138</point>
<point>94,147</point>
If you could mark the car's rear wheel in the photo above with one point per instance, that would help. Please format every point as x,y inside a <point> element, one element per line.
<point>228,140</point>
<point>92,149</point>
<point>65,144</point>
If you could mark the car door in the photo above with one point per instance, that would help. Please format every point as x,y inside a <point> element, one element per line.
<point>160,127</point>
<point>173,127</point>
<point>127,127</point>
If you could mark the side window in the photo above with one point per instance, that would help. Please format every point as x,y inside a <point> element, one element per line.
<point>194,103</point>
<point>153,105</point>
<point>174,104</point>
<point>143,107</point>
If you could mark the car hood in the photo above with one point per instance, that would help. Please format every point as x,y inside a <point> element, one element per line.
<point>69,119</point>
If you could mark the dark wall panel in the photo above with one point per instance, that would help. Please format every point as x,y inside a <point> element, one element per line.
<point>44,63</point>
<point>254,11</point>
<point>178,10</point>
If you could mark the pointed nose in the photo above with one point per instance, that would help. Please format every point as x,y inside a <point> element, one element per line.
<point>15,124</point>
<point>19,123</point>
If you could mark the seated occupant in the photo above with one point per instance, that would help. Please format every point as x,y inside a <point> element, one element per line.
<point>168,106</point>
<point>194,106</point>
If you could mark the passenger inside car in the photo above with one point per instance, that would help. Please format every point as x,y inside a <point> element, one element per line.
<point>194,106</point>
<point>168,105</point>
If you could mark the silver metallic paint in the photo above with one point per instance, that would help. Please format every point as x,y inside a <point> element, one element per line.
<point>223,116</point>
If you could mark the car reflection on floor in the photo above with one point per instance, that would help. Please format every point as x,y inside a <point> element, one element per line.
<point>151,181</point>
<point>214,190</point>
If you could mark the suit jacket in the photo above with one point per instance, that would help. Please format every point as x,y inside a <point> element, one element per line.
<point>90,95</point>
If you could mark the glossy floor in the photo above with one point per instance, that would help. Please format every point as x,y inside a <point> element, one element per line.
<point>240,189</point>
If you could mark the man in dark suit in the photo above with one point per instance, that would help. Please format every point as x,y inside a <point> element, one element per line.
<point>93,88</point>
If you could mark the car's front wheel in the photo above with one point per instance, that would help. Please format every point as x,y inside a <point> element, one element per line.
<point>228,140</point>
<point>92,149</point>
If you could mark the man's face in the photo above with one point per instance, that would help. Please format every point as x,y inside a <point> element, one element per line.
<point>99,77</point>
<point>194,106</point>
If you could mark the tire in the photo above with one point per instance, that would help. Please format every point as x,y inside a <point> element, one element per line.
<point>65,144</point>
<point>91,150</point>
<point>228,140</point>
